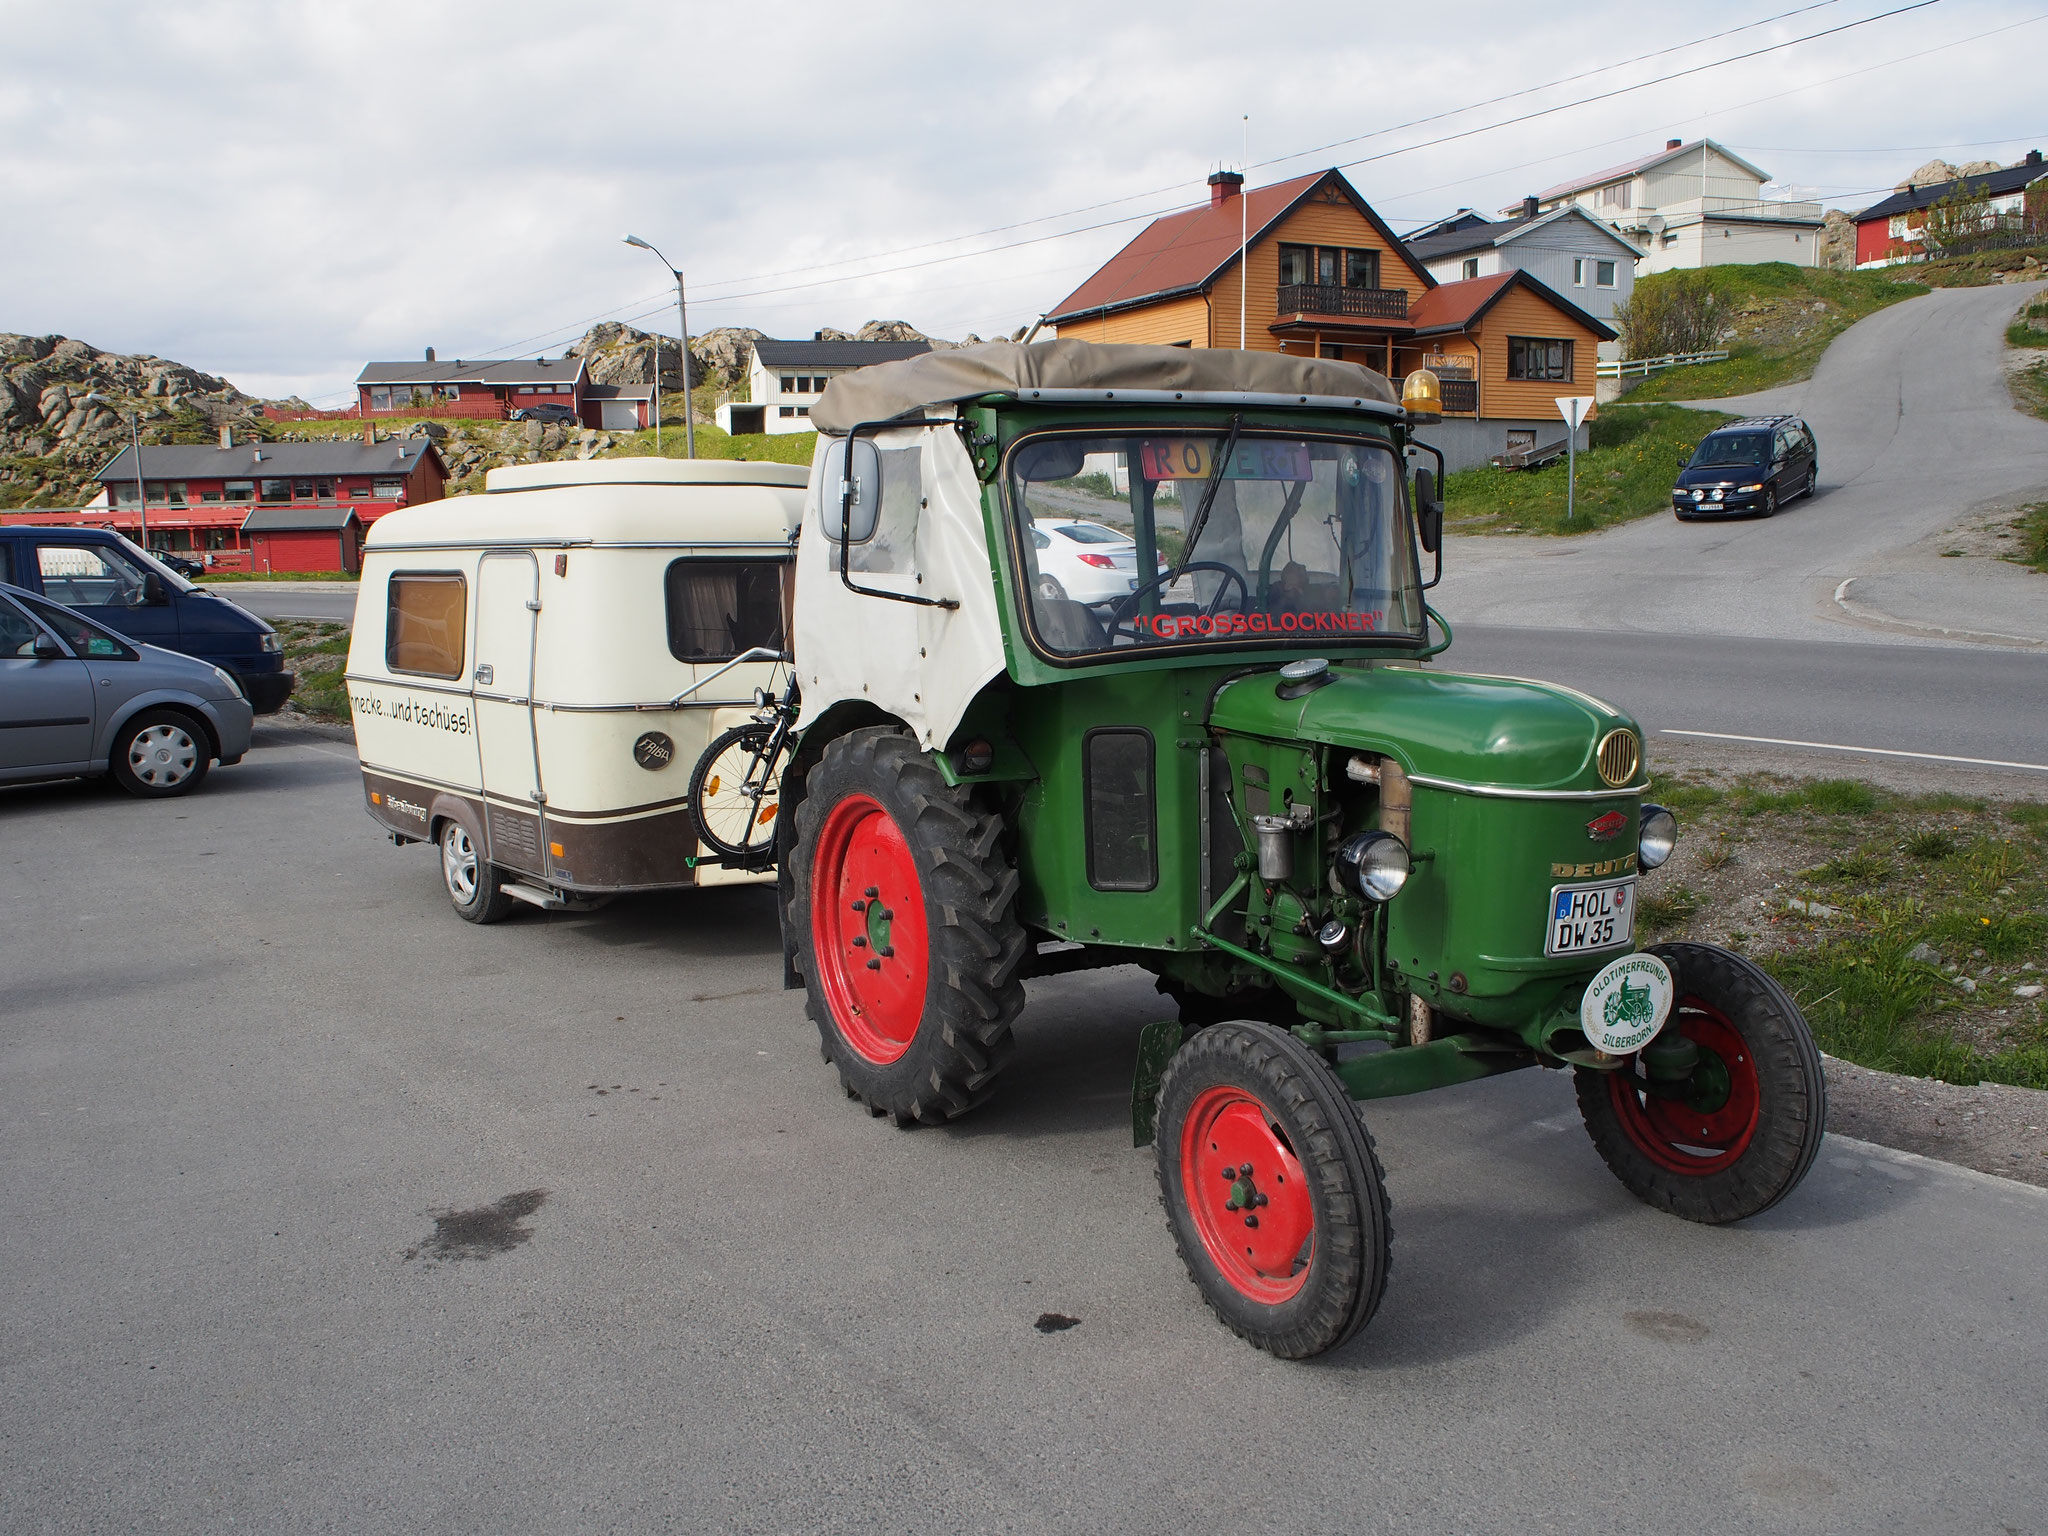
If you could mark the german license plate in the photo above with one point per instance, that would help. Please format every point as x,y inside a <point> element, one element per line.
<point>1585,918</point>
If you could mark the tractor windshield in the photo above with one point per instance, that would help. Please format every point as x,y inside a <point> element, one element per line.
<point>1295,538</point>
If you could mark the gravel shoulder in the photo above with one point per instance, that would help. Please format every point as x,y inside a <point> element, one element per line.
<point>1991,1127</point>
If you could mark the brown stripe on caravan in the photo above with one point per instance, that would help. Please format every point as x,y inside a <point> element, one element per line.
<point>618,855</point>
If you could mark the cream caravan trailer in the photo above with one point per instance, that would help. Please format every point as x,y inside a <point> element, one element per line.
<point>535,669</point>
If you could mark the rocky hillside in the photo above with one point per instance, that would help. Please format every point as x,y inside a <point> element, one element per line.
<point>54,434</point>
<point>619,354</point>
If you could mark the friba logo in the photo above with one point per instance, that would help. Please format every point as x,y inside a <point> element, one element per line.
<point>654,751</point>
<point>1605,829</point>
<point>1626,1004</point>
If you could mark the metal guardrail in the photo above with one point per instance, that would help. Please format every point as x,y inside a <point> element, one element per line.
<point>1643,367</point>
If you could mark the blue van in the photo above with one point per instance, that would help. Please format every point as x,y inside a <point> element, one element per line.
<point>107,578</point>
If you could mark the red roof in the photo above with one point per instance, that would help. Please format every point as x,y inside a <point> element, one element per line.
<point>1184,252</point>
<point>1454,306</point>
<point>1457,303</point>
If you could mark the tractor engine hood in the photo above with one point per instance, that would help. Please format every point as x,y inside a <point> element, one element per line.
<point>1470,729</point>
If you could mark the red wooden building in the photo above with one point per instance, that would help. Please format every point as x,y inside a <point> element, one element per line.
<point>486,391</point>
<point>259,506</point>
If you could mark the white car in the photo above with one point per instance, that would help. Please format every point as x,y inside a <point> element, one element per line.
<point>1085,562</point>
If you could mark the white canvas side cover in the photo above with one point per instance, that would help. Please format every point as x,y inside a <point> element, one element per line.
<point>922,664</point>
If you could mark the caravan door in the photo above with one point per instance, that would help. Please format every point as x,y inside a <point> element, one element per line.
<point>507,616</point>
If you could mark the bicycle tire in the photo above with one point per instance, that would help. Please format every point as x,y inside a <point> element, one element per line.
<point>731,820</point>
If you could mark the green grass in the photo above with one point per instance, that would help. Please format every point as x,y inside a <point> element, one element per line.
<point>1626,474</point>
<point>1973,271</point>
<point>1961,882</point>
<point>765,447</point>
<point>2022,333</point>
<point>1780,337</point>
<point>316,651</point>
<point>2032,527</point>
<point>214,576</point>
<point>2030,389</point>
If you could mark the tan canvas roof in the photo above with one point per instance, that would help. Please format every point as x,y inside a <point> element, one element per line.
<point>889,390</point>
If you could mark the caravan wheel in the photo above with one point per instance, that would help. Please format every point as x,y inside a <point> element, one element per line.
<point>476,887</point>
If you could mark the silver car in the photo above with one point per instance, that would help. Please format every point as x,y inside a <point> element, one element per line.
<point>78,699</point>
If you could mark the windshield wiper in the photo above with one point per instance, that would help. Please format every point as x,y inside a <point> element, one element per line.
<point>1194,532</point>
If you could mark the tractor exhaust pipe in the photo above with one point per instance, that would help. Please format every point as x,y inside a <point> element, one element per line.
<point>1397,806</point>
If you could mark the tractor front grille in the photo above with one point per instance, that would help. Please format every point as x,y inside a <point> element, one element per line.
<point>1620,755</point>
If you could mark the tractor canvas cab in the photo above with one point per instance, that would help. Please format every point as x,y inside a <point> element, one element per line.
<point>1354,872</point>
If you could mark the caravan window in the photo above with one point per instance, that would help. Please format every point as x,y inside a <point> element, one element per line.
<point>423,632</point>
<point>719,608</point>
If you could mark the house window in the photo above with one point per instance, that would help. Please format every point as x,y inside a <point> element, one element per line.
<point>387,490</point>
<point>1539,358</point>
<point>424,627</point>
<point>1578,271</point>
<point>1295,261</point>
<point>791,384</point>
<point>380,399</point>
<point>277,490</point>
<point>238,490</point>
<point>302,490</point>
<point>803,410</point>
<point>326,490</point>
<point>450,391</point>
<point>1619,195</point>
<point>1361,269</point>
<point>1471,267</point>
<point>1603,274</point>
<point>787,410</point>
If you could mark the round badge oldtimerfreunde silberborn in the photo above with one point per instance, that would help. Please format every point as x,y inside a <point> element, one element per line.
<point>1626,1004</point>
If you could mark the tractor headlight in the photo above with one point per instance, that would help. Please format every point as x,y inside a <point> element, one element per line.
<point>1657,837</point>
<point>1374,865</point>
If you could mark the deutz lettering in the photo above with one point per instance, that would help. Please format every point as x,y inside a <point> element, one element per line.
<point>1622,866</point>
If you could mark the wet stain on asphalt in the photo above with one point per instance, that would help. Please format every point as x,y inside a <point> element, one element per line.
<point>479,1233</point>
<point>1055,1322</point>
<point>1669,1327</point>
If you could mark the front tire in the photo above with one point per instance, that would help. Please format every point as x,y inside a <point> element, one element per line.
<point>1770,508</point>
<point>1272,1190</point>
<point>903,905</point>
<point>1751,1124</point>
<point>160,754</point>
<point>475,886</point>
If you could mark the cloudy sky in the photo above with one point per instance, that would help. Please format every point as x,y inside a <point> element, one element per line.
<point>280,191</point>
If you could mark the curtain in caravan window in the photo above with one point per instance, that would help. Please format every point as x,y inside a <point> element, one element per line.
<point>424,630</point>
<point>719,608</point>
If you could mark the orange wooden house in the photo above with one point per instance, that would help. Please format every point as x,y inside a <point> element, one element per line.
<point>1323,276</point>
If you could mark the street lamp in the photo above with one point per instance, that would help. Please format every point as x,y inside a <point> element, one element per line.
<point>683,324</point>
<point>141,496</point>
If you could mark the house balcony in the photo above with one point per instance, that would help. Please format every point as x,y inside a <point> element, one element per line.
<point>1460,396</point>
<point>1349,303</point>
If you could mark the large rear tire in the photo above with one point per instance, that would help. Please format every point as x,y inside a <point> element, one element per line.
<point>903,908</point>
<point>1272,1190</point>
<point>1751,1124</point>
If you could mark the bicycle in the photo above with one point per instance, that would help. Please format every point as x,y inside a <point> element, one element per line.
<point>735,789</point>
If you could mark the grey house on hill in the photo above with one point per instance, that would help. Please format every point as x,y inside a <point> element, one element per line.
<point>1568,250</point>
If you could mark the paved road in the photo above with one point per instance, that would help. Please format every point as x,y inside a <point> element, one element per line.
<point>247,1054</point>
<point>281,600</point>
<point>1915,428</point>
<point>1943,701</point>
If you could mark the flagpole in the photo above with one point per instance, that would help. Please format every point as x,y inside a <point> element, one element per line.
<point>1244,226</point>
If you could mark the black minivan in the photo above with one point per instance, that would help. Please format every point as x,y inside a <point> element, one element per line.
<point>108,578</point>
<point>1751,467</point>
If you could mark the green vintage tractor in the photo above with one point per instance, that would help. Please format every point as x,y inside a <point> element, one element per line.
<point>1120,655</point>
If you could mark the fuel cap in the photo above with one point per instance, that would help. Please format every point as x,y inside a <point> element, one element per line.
<point>1305,676</point>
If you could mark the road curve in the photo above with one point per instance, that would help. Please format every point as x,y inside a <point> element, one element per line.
<point>1915,429</point>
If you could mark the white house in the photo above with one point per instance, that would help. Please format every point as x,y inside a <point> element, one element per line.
<point>1567,249</point>
<point>1694,205</point>
<point>786,378</point>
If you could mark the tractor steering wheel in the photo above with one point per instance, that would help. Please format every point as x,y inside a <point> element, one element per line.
<point>1117,615</point>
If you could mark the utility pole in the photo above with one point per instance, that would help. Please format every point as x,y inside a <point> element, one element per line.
<point>683,324</point>
<point>141,494</point>
<point>1244,226</point>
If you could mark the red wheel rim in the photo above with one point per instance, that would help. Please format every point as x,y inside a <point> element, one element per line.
<point>1234,1165</point>
<point>1672,1134</point>
<point>868,929</point>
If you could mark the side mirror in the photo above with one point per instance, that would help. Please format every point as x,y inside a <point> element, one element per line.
<point>153,591</point>
<point>48,649</point>
<point>849,505</point>
<point>1429,512</point>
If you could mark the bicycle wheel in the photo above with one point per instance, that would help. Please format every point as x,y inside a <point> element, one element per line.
<point>735,790</point>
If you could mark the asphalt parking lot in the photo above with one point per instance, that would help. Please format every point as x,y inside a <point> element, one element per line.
<point>324,1210</point>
